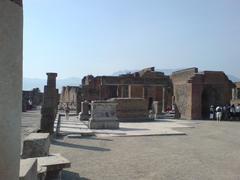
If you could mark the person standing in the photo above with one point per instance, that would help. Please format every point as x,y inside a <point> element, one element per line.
<point>211,115</point>
<point>218,113</point>
<point>232,111</point>
<point>238,111</point>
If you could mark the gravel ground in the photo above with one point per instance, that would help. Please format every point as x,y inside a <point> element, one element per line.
<point>209,151</point>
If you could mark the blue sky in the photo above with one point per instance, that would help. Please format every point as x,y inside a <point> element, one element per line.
<point>79,37</point>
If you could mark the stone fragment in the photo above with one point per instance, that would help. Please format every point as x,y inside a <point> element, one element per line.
<point>36,145</point>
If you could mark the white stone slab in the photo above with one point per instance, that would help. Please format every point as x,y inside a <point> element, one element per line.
<point>54,162</point>
<point>28,169</point>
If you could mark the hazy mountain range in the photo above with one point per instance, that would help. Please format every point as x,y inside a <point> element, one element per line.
<point>30,83</point>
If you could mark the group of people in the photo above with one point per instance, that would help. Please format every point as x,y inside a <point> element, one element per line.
<point>227,112</point>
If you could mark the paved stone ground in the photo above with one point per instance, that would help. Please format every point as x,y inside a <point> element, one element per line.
<point>158,127</point>
<point>211,150</point>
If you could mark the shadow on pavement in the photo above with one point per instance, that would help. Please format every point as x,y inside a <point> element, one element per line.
<point>77,146</point>
<point>67,175</point>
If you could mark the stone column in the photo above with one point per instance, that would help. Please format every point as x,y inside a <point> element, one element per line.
<point>84,115</point>
<point>11,33</point>
<point>163,99</point>
<point>50,101</point>
<point>129,91</point>
<point>233,94</point>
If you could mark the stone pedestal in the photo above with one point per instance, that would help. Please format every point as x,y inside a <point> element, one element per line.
<point>103,115</point>
<point>84,114</point>
<point>50,102</point>
<point>11,32</point>
<point>157,109</point>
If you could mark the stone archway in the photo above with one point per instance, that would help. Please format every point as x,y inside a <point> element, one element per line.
<point>209,97</point>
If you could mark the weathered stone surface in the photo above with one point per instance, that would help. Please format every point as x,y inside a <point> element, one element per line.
<point>84,114</point>
<point>147,84</point>
<point>50,104</point>
<point>131,109</point>
<point>54,162</point>
<point>236,94</point>
<point>157,108</point>
<point>36,145</point>
<point>28,169</point>
<point>196,91</point>
<point>103,115</point>
<point>11,33</point>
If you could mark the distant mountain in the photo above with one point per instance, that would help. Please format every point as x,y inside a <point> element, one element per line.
<point>166,71</point>
<point>233,78</point>
<point>30,83</point>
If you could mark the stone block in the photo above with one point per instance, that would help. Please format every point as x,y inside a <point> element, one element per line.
<point>103,115</point>
<point>28,169</point>
<point>131,109</point>
<point>36,145</point>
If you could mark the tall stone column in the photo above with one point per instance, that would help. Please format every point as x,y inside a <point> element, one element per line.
<point>163,99</point>
<point>50,102</point>
<point>11,33</point>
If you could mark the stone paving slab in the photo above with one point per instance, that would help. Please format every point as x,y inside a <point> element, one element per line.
<point>154,128</point>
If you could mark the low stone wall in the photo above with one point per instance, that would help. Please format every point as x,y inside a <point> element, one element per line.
<point>131,109</point>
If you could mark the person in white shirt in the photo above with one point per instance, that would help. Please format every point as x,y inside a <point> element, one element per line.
<point>218,113</point>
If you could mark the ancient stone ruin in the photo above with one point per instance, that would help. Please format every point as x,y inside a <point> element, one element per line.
<point>187,92</point>
<point>103,115</point>
<point>195,92</point>
<point>236,94</point>
<point>31,99</point>
<point>50,104</point>
<point>131,109</point>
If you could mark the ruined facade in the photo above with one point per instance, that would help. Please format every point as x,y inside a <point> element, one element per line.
<point>236,94</point>
<point>35,96</point>
<point>147,84</point>
<point>195,92</point>
<point>69,96</point>
<point>190,91</point>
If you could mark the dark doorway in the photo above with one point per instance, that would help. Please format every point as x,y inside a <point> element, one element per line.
<point>209,97</point>
<point>150,102</point>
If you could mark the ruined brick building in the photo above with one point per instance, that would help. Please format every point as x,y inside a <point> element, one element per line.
<point>69,95</point>
<point>35,96</point>
<point>148,84</point>
<point>195,92</point>
<point>191,91</point>
<point>236,94</point>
